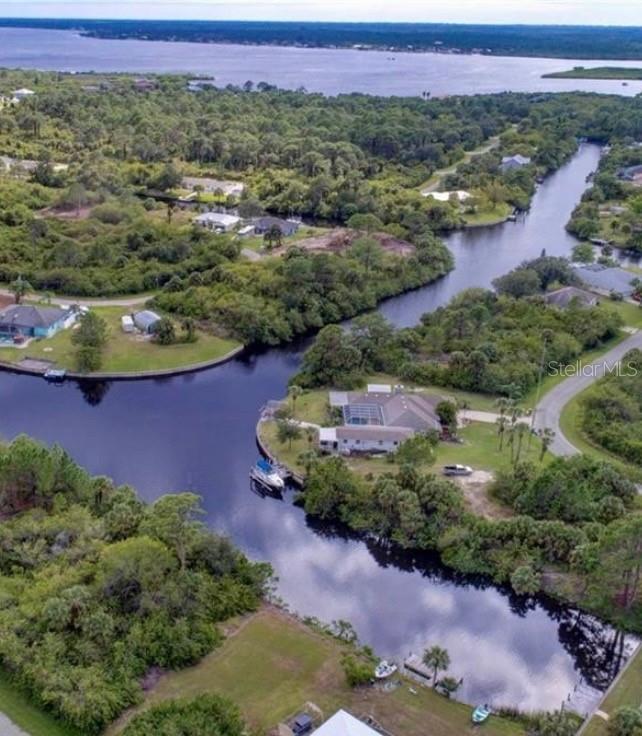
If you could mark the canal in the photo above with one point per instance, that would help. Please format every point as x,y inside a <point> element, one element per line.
<point>196,432</point>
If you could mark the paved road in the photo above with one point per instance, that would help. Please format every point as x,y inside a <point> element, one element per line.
<point>434,182</point>
<point>549,410</point>
<point>131,301</point>
<point>9,728</point>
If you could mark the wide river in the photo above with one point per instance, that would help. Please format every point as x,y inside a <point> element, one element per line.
<point>331,71</point>
<point>196,432</point>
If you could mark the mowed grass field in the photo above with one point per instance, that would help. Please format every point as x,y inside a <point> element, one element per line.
<point>125,352</point>
<point>273,665</point>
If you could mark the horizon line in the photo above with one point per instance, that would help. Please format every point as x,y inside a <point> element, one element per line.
<point>312,22</point>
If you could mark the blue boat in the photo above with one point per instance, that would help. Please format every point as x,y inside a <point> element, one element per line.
<point>265,474</point>
<point>481,713</point>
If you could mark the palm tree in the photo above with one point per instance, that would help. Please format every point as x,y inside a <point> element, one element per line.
<point>502,423</point>
<point>294,392</point>
<point>521,430</point>
<point>437,659</point>
<point>273,237</point>
<point>19,289</point>
<point>547,436</point>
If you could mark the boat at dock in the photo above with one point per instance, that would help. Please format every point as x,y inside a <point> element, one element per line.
<point>267,475</point>
<point>481,713</point>
<point>385,669</point>
<point>55,375</point>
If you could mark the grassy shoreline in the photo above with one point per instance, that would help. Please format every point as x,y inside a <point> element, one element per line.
<point>273,663</point>
<point>126,353</point>
<point>598,72</point>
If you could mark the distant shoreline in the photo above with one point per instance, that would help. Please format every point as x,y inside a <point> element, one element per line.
<point>530,41</point>
<point>617,73</point>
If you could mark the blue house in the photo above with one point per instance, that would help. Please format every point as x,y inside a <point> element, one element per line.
<point>29,321</point>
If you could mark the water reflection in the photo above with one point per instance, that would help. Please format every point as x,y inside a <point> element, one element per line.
<point>196,432</point>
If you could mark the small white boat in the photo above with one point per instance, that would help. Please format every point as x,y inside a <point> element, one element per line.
<point>55,375</point>
<point>385,669</point>
<point>267,475</point>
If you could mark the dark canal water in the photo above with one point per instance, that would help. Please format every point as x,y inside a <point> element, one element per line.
<point>197,433</point>
<point>331,71</point>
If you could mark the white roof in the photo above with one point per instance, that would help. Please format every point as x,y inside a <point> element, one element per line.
<point>343,724</point>
<point>220,218</point>
<point>460,194</point>
<point>246,230</point>
<point>338,398</point>
<point>23,91</point>
<point>327,434</point>
<point>126,320</point>
<point>379,388</point>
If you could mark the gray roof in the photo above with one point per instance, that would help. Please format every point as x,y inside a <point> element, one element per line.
<point>146,318</point>
<point>606,279</point>
<point>409,410</point>
<point>285,226</point>
<point>564,296</point>
<point>30,317</point>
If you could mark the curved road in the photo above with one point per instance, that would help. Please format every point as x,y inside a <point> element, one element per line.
<point>549,409</point>
<point>132,301</point>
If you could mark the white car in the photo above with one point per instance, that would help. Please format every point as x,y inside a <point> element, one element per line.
<point>457,470</point>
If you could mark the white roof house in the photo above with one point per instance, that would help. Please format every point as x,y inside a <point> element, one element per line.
<point>458,194</point>
<point>514,162</point>
<point>21,94</point>
<point>217,221</point>
<point>344,724</point>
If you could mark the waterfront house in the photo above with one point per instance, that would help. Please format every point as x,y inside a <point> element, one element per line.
<point>146,321</point>
<point>217,221</point>
<point>263,225</point>
<point>33,321</point>
<point>343,723</point>
<point>510,163</point>
<point>378,420</point>
<point>567,295</point>
<point>606,279</point>
<point>631,174</point>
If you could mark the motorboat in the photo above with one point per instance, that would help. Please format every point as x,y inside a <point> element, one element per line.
<point>481,713</point>
<point>385,669</point>
<point>267,475</point>
<point>55,375</point>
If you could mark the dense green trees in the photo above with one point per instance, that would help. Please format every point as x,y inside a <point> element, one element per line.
<point>580,528</point>
<point>97,587</point>
<point>479,342</point>
<point>206,715</point>
<point>612,411</point>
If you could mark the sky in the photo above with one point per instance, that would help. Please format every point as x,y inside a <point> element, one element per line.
<point>573,12</point>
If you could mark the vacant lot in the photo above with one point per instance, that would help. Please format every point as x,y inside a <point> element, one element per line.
<point>337,240</point>
<point>272,665</point>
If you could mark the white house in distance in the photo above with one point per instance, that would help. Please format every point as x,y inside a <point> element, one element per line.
<point>217,221</point>
<point>22,94</point>
<point>459,195</point>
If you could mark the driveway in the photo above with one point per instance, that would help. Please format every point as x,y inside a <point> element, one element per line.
<point>549,409</point>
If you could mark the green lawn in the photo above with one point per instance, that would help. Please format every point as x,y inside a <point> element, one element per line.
<point>125,353</point>
<point>479,449</point>
<point>256,242</point>
<point>19,708</point>
<point>493,216</point>
<point>627,691</point>
<point>273,665</point>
